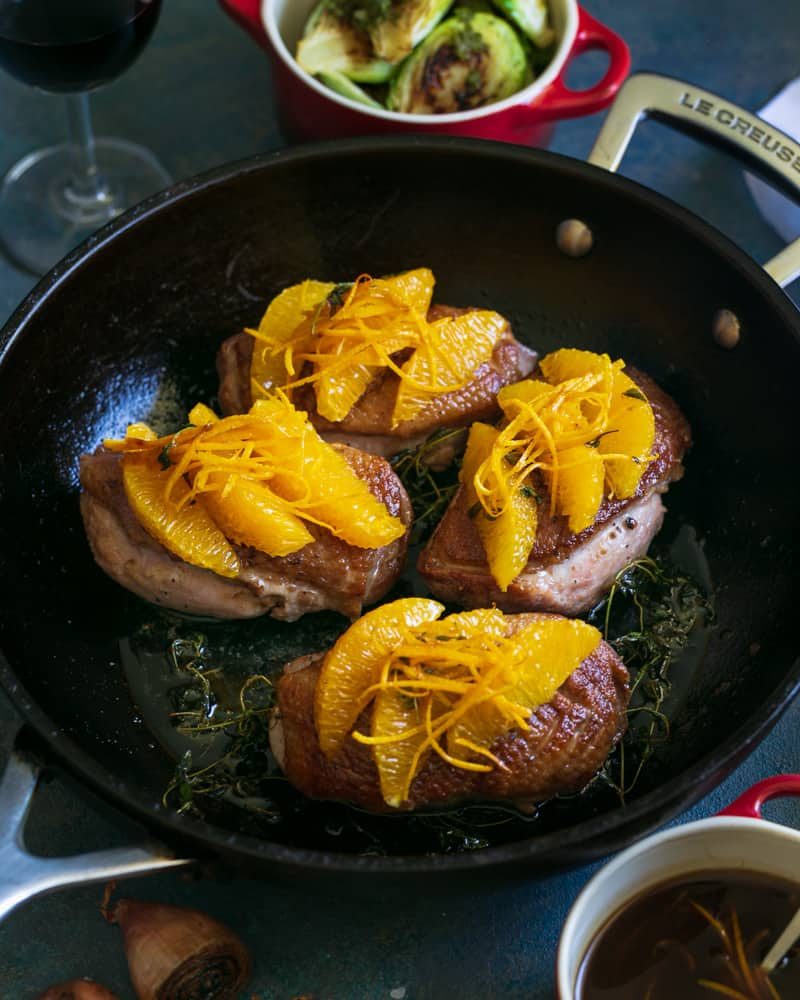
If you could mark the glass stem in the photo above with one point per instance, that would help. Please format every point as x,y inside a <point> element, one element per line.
<point>86,183</point>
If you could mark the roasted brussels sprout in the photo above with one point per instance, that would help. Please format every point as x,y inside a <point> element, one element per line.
<point>404,26</point>
<point>470,60</point>
<point>531,17</point>
<point>332,43</point>
<point>347,88</point>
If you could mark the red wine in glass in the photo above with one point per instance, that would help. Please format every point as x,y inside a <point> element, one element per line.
<point>55,197</point>
<point>68,46</point>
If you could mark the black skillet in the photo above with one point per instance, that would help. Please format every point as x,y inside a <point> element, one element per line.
<point>131,321</point>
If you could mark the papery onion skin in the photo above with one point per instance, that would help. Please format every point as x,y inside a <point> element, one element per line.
<point>78,989</point>
<point>176,953</point>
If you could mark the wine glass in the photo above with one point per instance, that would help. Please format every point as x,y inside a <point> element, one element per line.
<point>55,197</point>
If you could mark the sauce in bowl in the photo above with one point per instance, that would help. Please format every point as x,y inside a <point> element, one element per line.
<point>695,938</point>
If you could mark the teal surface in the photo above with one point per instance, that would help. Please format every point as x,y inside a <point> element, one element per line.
<point>200,96</point>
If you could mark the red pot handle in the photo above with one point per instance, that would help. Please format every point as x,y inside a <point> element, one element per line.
<point>559,101</point>
<point>750,802</point>
<point>247,13</point>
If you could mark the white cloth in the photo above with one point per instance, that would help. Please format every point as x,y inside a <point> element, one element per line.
<point>781,213</point>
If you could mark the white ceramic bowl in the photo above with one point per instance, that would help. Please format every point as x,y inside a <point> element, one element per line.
<point>736,840</point>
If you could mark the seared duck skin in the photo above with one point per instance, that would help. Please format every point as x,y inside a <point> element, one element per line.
<point>566,573</point>
<point>569,739</point>
<point>368,425</point>
<point>326,574</point>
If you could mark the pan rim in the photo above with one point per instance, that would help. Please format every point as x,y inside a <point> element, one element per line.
<point>651,809</point>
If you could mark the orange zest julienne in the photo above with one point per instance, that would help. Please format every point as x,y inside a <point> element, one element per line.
<point>338,338</point>
<point>262,479</point>
<point>446,686</point>
<point>584,431</point>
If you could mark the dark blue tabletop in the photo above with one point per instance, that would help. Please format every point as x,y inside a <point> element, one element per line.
<point>199,96</point>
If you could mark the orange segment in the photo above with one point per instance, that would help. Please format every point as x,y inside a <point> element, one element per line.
<point>284,315</point>
<point>251,514</point>
<point>188,532</point>
<point>200,415</point>
<point>355,661</point>
<point>507,538</point>
<point>344,501</point>
<point>581,475</point>
<point>527,391</point>
<point>338,392</point>
<point>455,347</point>
<point>396,715</point>
<point>333,494</point>
<point>549,651</point>
<point>538,659</point>
<point>569,363</point>
<point>634,436</point>
<point>413,287</point>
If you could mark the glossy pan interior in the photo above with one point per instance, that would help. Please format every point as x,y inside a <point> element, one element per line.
<point>134,318</point>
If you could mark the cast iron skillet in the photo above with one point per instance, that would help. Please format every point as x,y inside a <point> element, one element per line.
<point>133,318</point>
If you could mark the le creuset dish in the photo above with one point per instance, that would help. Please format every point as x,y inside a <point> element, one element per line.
<point>133,318</point>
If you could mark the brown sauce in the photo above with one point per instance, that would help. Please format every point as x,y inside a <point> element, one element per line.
<point>662,946</point>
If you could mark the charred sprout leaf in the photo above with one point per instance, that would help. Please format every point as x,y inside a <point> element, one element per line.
<point>345,87</point>
<point>429,489</point>
<point>408,23</point>
<point>332,43</point>
<point>470,60</point>
<point>648,617</point>
<point>531,17</point>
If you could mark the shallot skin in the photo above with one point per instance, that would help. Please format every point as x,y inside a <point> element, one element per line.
<point>78,989</point>
<point>175,953</point>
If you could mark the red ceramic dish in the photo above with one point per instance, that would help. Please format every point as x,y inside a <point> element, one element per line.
<point>737,839</point>
<point>308,110</point>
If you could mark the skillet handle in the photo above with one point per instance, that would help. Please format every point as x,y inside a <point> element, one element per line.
<point>24,876</point>
<point>750,802</point>
<point>761,146</point>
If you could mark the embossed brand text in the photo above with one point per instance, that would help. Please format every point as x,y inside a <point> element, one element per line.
<point>725,116</point>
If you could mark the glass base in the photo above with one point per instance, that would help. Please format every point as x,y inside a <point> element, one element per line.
<point>44,214</point>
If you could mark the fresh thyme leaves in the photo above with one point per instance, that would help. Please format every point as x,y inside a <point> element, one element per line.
<point>596,441</point>
<point>164,459</point>
<point>635,394</point>
<point>200,710</point>
<point>430,487</point>
<point>648,617</point>
<point>336,298</point>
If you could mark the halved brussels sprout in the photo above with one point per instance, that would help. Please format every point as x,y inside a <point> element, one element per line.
<point>470,60</point>
<point>404,26</point>
<point>347,88</point>
<point>331,43</point>
<point>531,17</point>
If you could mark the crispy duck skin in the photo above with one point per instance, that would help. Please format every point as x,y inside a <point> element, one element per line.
<point>566,573</point>
<point>326,574</point>
<point>369,424</point>
<point>568,742</point>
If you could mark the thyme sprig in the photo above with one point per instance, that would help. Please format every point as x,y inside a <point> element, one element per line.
<point>648,617</point>
<point>240,770</point>
<point>430,487</point>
